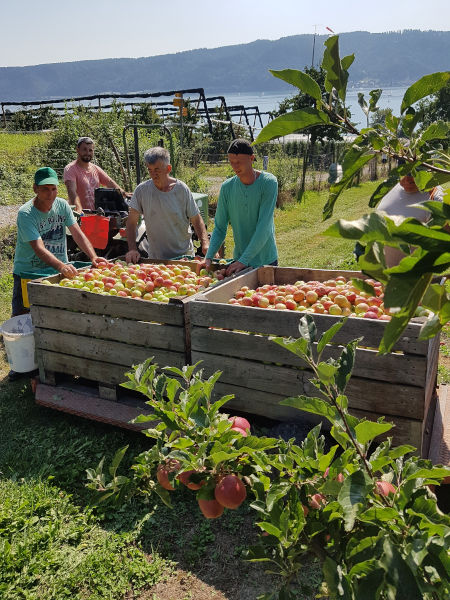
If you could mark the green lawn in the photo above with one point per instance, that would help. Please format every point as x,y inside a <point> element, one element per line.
<point>54,544</point>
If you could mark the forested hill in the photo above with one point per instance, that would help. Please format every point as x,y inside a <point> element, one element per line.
<point>382,59</point>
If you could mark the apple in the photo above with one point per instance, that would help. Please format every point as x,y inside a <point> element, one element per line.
<point>290,304</point>
<point>311,296</point>
<point>264,302</point>
<point>335,309</point>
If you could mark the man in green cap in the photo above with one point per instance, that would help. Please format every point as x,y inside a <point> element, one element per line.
<point>41,234</point>
<point>41,237</point>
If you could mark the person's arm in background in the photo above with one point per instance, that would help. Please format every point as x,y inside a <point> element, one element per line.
<point>200,230</point>
<point>71,186</point>
<point>107,181</point>
<point>133,254</point>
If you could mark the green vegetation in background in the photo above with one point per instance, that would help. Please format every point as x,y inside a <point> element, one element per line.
<point>19,159</point>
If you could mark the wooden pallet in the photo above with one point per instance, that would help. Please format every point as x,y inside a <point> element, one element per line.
<point>235,340</point>
<point>84,400</point>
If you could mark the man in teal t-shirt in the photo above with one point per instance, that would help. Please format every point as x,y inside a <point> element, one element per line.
<point>246,201</point>
<point>41,235</point>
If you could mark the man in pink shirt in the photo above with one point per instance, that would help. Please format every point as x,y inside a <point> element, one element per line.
<point>82,177</point>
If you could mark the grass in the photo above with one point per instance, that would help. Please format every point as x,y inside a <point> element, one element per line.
<point>55,544</point>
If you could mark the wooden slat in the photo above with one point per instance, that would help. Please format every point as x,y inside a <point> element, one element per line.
<point>285,323</point>
<point>432,369</point>
<point>439,452</point>
<point>378,397</point>
<point>114,306</point>
<point>141,333</point>
<point>394,367</point>
<point>406,431</point>
<point>107,351</point>
<point>91,407</point>
<point>226,291</point>
<point>284,275</point>
<point>94,370</point>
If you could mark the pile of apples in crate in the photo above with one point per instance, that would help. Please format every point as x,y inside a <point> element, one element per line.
<point>332,297</point>
<point>154,282</point>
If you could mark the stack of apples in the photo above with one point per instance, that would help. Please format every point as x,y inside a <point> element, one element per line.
<point>153,282</point>
<point>332,297</point>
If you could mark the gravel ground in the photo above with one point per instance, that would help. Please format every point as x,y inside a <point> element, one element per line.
<point>8,214</point>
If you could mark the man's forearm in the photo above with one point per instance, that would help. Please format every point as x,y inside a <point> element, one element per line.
<point>200,229</point>
<point>131,235</point>
<point>48,258</point>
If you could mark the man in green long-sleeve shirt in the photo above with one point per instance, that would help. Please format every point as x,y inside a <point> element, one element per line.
<point>246,201</point>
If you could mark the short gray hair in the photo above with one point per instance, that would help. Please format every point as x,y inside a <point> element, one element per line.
<point>152,155</point>
<point>84,140</point>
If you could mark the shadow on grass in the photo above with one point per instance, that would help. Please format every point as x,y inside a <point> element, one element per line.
<point>39,444</point>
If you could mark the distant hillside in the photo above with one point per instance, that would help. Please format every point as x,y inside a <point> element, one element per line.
<point>385,59</point>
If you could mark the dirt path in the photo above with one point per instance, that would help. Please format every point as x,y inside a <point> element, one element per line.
<point>8,215</point>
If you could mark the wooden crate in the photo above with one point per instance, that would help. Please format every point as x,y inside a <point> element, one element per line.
<point>99,338</point>
<point>399,385</point>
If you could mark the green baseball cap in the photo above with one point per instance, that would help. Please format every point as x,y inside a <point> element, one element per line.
<point>45,176</point>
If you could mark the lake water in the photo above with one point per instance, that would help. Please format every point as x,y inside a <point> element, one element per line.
<point>268,101</point>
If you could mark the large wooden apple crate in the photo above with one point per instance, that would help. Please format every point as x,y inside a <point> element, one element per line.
<point>86,342</point>
<point>235,340</point>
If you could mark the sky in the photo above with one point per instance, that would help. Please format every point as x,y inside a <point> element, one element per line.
<point>58,31</point>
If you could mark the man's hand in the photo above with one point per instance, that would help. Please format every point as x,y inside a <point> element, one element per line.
<point>235,267</point>
<point>68,270</point>
<point>132,256</point>
<point>98,260</point>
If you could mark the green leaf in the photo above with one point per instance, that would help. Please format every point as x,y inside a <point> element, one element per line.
<point>292,122</point>
<point>302,81</point>
<point>276,492</point>
<point>374,97</point>
<point>326,373</point>
<point>271,529</point>
<point>313,405</point>
<point>352,496</point>
<point>377,513</point>
<point>337,584</point>
<point>429,84</point>
<point>117,459</point>
<point>307,328</point>
<point>410,120</point>
<point>222,456</point>
<point>382,190</point>
<point>328,335</point>
<point>437,473</point>
<point>366,431</point>
<point>438,130</point>
<point>345,365</point>
<point>358,163</point>
<point>392,122</point>
<point>298,346</point>
<point>336,70</point>
<point>398,572</point>
<point>363,104</point>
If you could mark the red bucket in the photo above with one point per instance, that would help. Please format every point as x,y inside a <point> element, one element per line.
<point>96,229</point>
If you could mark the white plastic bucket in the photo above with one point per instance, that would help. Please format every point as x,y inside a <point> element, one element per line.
<point>18,337</point>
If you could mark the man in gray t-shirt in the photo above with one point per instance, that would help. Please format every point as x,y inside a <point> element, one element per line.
<point>168,209</point>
